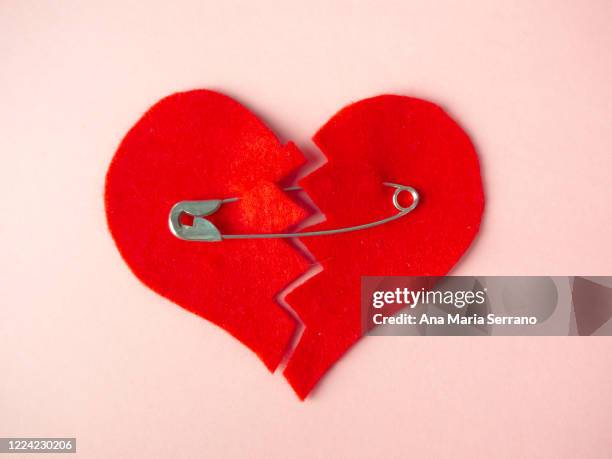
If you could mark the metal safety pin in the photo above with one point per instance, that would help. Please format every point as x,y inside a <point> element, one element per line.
<point>204,231</point>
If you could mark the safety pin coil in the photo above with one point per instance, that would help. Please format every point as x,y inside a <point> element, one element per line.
<point>204,231</point>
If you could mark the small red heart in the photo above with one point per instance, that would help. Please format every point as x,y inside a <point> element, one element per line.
<point>204,145</point>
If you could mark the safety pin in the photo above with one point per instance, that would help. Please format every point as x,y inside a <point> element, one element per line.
<point>203,230</point>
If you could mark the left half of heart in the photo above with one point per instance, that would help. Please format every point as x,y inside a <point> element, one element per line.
<point>200,145</point>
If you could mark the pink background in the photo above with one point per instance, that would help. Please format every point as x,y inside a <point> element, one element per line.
<point>87,351</point>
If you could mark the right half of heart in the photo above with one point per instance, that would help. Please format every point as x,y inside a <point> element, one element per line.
<point>387,138</point>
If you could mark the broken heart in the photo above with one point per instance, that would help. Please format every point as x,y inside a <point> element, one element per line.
<point>202,145</point>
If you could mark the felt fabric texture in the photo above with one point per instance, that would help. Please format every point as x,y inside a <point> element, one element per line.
<point>383,139</point>
<point>204,145</point>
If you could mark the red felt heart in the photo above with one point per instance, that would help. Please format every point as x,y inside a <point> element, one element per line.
<point>203,145</point>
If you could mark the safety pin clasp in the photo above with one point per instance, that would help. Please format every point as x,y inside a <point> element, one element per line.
<point>201,229</point>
